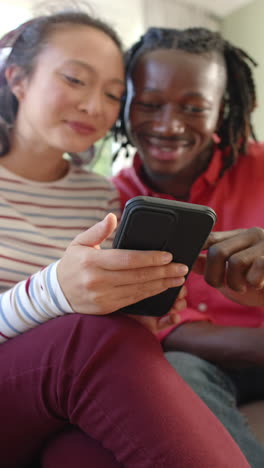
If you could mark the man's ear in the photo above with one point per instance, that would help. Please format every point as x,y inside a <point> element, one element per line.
<point>221,114</point>
<point>16,80</point>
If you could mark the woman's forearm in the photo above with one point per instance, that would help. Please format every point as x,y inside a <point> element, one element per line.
<point>31,302</point>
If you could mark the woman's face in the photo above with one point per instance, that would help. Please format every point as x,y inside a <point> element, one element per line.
<point>73,96</point>
<point>175,109</point>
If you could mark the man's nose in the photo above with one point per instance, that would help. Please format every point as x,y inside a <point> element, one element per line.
<point>170,122</point>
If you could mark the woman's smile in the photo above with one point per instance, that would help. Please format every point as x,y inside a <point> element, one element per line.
<point>81,128</point>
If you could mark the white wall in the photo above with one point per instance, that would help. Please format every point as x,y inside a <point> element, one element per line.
<point>129,17</point>
<point>132,17</point>
<point>126,17</point>
<point>13,12</point>
<point>173,14</point>
<point>244,28</point>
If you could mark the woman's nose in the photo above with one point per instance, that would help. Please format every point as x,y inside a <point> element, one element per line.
<point>92,104</point>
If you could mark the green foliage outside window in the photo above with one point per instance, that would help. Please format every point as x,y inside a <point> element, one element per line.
<point>103,157</point>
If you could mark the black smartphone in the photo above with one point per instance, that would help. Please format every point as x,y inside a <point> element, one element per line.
<point>150,223</point>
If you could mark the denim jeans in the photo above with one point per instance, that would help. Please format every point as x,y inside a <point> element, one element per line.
<point>223,391</point>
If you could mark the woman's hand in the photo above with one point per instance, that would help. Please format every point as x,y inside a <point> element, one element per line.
<point>96,281</point>
<point>156,324</point>
<point>234,264</point>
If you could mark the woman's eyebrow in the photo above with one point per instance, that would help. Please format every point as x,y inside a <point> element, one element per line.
<point>91,69</point>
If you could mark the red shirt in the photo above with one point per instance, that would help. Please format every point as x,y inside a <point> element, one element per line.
<point>238,199</point>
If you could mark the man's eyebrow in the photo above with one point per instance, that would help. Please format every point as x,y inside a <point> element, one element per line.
<point>196,94</point>
<point>188,94</point>
<point>152,90</point>
<point>92,69</point>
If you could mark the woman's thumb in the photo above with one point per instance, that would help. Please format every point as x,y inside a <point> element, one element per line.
<point>94,236</point>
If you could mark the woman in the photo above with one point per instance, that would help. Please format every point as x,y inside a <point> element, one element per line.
<point>60,91</point>
<point>188,113</point>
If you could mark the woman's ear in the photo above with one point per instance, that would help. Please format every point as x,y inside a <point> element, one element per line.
<point>16,81</point>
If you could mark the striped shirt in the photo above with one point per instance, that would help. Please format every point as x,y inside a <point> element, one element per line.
<point>37,222</point>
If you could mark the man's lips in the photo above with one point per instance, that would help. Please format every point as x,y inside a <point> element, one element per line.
<point>81,128</point>
<point>170,144</point>
<point>167,149</point>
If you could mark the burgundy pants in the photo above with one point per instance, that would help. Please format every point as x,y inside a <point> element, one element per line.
<point>107,376</point>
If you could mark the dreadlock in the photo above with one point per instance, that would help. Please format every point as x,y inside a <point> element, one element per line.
<point>240,96</point>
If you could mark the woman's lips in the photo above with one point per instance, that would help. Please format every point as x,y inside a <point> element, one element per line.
<point>81,128</point>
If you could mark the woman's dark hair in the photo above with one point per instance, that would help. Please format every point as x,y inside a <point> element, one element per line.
<point>240,97</point>
<point>26,42</point>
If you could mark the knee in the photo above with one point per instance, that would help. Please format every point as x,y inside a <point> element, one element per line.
<point>79,338</point>
<point>93,329</point>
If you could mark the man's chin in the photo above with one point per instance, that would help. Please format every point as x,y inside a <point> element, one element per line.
<point>161,173</point>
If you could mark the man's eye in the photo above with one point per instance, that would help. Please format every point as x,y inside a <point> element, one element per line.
<point>148,105</point>
<point>194,109</point>
<point>74,80</point>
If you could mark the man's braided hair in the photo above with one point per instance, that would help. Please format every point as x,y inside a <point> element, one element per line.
<point>235,127</point>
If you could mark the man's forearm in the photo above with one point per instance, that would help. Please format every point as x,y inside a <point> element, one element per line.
<point>227,346</point>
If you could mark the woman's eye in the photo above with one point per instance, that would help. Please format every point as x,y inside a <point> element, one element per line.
<point>115,98</point>
<point>74,80</point>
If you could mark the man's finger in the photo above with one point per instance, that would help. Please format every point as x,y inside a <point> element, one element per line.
<point>219,236</point>
<point>255,275</point>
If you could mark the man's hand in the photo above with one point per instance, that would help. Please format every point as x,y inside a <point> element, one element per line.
<point>234,264</point>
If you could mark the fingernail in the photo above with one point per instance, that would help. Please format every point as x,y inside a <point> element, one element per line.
<point>166,257</point>
<point>178,281</point>
<point>183,270</point>
<point>177,319</point>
